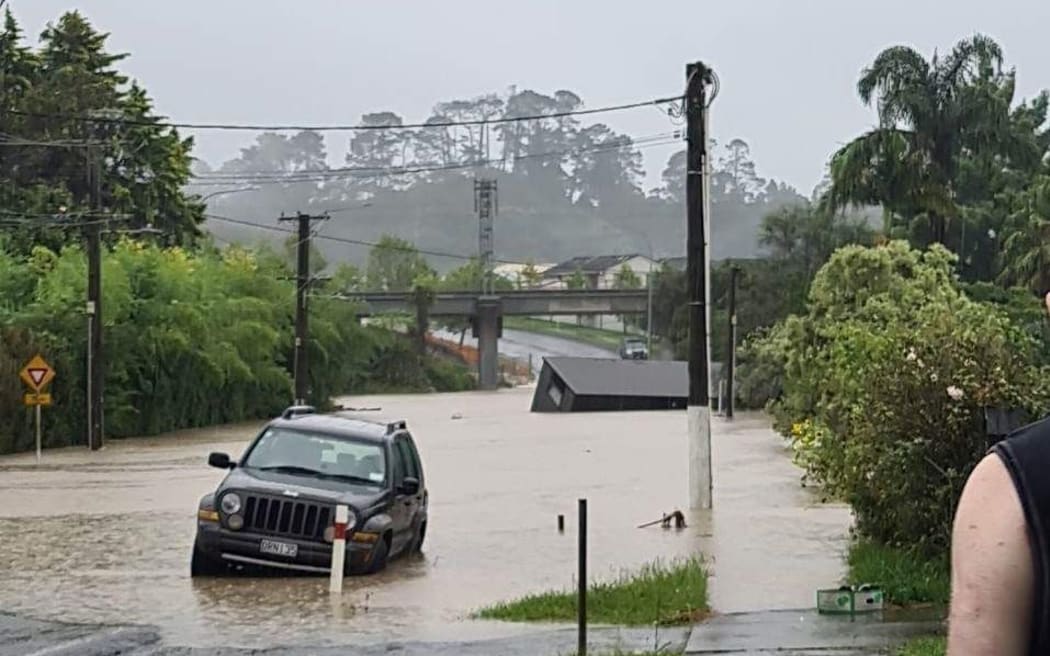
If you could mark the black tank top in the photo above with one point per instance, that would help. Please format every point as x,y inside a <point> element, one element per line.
<point>1026,454</point>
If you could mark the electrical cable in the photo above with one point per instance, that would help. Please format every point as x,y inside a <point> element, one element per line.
<point>344,128</point>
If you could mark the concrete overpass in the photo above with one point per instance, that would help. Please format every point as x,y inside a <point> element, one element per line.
<point>485,312</point>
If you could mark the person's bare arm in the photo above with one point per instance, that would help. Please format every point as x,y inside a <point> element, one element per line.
<point>992,579</point>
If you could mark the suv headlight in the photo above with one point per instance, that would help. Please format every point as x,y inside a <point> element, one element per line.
<point>351,522</point>
<point>230,503</point>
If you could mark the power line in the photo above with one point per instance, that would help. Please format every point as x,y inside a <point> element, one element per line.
<point>346,128</point>
<point>354,242</point>
<point>324,175</point>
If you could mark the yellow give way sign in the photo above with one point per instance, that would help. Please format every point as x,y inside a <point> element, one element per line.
<point>37,374</point>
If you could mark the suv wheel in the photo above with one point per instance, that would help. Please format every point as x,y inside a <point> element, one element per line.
<point>379,556</point>
<point>421,534</point>
<point>202,564</point>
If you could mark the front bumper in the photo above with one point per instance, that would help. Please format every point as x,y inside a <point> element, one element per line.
<point>243,547</point>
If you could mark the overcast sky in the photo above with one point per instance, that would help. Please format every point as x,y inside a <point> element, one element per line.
<point>788,69</point>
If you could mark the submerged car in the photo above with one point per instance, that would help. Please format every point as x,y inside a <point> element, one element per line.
<point>275,509</point>
<point>634,348</point>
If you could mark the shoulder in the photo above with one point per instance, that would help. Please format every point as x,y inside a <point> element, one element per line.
<point>992,566</point>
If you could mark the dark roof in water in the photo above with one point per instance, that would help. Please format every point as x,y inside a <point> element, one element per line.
<point>596,376</point>
<point>588,264</point>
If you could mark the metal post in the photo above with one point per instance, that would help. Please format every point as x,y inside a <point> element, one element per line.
<point>731,350</point>
<point>38,440</point>
<point>581,604</point>
<point>486,206</point>
<point>649,310</point>
<point>335,582</point>
<point>698,407</point>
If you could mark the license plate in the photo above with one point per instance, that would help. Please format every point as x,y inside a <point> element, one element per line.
<point>279,548</point>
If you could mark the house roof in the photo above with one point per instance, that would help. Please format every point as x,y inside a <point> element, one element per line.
<point>601,377</point>
<point>589,264</point>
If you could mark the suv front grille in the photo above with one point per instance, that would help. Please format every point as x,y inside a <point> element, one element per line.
<point>301,519</point>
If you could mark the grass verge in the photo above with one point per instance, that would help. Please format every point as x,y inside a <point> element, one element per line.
<point>905,576</point>
<point>608,339</point>
<point>669,594</point>
<point>935,646</point>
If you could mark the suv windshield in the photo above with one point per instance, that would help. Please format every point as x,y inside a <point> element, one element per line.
<point>293,451</point>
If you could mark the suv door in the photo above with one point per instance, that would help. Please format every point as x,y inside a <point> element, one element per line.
<point>419,503</point>
<point>401,511</point>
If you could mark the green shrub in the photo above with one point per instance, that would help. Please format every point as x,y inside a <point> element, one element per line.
<point>905,575</point>
<point>885,379</point>
<point>192,339</point>
<point>931,646</point>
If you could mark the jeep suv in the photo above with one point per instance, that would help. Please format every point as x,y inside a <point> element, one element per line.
<point>634,348</point>
<point>276,506</point>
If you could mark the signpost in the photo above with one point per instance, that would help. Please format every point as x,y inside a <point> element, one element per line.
<point>37,375</point>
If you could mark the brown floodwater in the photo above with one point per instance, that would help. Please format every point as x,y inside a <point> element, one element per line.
<point>106,536</point>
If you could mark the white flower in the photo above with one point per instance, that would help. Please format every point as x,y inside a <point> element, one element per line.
<point>912,356</point>
<point>955,393</point>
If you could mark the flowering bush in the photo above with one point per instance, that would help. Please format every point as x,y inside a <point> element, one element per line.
<point>885,381</point>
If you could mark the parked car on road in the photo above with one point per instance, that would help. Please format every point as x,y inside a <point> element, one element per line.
<point>275,508</point>
<point>634,348</point>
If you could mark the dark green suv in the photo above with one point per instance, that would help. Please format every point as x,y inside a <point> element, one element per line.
<point>276,506</point>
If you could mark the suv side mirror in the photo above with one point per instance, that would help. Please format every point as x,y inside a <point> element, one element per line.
<point>221,460</point>
<point>410,486</point>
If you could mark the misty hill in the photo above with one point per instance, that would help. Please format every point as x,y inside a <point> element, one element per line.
<point>564,188</point>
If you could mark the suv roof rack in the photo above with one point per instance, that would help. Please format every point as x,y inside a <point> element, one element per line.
<point>395,426</point>
<point>291,412</point>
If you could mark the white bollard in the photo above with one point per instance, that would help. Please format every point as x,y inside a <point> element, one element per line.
<point>342,514</point>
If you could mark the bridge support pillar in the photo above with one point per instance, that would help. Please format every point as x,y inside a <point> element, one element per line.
<point>487,328</point>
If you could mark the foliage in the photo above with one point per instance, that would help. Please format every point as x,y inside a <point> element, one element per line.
<point>929,646</point>
<point>885,378</point>
<point>193,340</point>
<point>577,280</point>
<point>673,593</point>
<point>394,265</point>
<point>905,575</point>
<point>144,166</point>
<point>626,278</point>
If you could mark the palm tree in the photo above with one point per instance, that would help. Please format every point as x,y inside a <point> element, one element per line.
<point>929,112</point>
<point>1026,251</point>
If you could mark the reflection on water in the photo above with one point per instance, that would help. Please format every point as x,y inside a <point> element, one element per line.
<point>106,536</point>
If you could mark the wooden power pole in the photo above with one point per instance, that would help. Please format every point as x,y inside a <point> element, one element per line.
<point>698,407</point>
<point>303,281</point>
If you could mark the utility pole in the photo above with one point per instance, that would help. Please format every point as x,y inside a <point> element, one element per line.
<point>96,373</point>
<point>731,351</point>
<point>698,76</point>
<point>303,282</point>
<point>486,205</point>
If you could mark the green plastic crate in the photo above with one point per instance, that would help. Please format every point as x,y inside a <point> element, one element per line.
<point>848,600</point>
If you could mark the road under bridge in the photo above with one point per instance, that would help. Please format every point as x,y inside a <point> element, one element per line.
<point>486,311</point>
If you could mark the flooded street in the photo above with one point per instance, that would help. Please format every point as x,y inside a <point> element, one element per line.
<point>105,537</point>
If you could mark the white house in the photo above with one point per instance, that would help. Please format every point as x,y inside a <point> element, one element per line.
<point>601,271</point>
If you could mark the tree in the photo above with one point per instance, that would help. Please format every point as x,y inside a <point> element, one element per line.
<point>577,280</point>
<point>530,276</point>
<point>378,149</point>
<point>144,165</point>
<point>394,265</point>
<point>607,169</point>
<point>1026,249</point>
<point>930,113</point>
<point>626,278</point>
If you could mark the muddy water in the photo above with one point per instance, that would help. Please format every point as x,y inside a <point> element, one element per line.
<point>106,536</point>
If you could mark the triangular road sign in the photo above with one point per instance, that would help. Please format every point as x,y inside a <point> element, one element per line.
<point>37,373</point>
